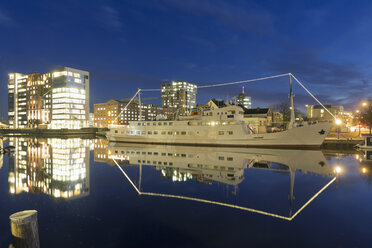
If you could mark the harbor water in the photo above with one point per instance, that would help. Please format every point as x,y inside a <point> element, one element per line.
<point>92,193</point>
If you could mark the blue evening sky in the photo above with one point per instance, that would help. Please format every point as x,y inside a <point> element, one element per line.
<point>130,44</point>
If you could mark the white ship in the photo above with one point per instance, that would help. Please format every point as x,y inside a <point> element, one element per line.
<point>220,127</point>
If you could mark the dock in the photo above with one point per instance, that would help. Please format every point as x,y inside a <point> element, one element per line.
<point>58,133</point>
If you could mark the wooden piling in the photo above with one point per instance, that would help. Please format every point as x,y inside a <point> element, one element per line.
<point>24,228</point>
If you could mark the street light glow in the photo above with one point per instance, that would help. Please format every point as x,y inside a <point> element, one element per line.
<point>338,122</point>
<point>364,104</point>
<point>338,169</point>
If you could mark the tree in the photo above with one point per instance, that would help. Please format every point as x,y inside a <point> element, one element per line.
<point>285,110</point>
<point>367,117</point>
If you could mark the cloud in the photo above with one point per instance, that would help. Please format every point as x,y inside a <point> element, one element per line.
<point>253,20</point>
<point>111,18</point>
<point>5,20</point>
<point>341,83</point>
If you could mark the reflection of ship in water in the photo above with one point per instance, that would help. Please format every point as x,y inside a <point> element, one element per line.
<point>56,167</point>
<point>1,154</point>
<point>217,164</point>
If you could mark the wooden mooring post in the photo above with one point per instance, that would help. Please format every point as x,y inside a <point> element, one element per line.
<point>24,229</point>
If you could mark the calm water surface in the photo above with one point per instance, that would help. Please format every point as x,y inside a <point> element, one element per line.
<point>89,193</point>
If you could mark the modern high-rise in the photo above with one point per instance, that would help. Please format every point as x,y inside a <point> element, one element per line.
<point>179,95</point>
<point>244,100</point>
<point>56,99</point>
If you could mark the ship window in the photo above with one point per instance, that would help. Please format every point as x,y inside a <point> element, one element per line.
<point>116,131</point>
<point>154,162</point>
<point>233,112</point>
<point>169,133</point>
<point>137,152</point>
<point>131,132</point>
<point>176,133</point>
<point>183,155</point>
<point>149,132</point>
<point>159,123</point>
<point>221,132</point>
<point>183,133</point>
<point>170,154</point>
<point>190,156</point>
<point>230,116</point>
<point>165,123</point>
<point>218,113</point>
<point>229,159</point>
<point>230,132</point>
<point>143,124</point>
<point>170,123</point>
<point>190,133</point>
<point>122,151</point>
<point>143,153</point>
<point>159,162</point>
<point>163,132</point>
<point>155,132</point>
<point>154,124</point>
<point>165,163</point>
<point>163,154</point>
<point>116,151</point>
<point>139,124</point>
<point>148,162</point>
<point>149,153</point>
<point>143,132</point>
<point>156,154</point>
<point>148,123</point>
<point>221,158</point>
<point>127,132</point>
<point>170,163</point>
<point>139,161</point>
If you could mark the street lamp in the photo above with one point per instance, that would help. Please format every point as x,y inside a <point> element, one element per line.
<point>338,123</point>
<point>364,104</point>
<point>358,112</point>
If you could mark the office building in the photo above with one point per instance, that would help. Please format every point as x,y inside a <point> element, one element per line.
<point>179,95</point>
<point>57,99</point>
<point>114,112</point>
<point>317,112</point>
<point>244,100</point>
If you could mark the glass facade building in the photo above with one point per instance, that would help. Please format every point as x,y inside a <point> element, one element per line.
<point>244,100</point>
<point>179,95</point>
<point>57,99</point>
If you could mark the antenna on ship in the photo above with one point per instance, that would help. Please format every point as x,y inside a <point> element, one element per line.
<point>291,96</point>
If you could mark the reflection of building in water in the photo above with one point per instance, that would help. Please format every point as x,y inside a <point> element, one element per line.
<point>101,151</point>
<point>57,167</point>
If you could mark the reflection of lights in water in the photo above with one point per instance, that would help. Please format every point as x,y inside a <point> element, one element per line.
<point>364,170</point>
<point>357,156</point>
<point>338,169</point>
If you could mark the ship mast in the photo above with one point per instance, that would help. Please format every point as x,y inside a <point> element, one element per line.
<point>139,104</point>
<point>291,95</point>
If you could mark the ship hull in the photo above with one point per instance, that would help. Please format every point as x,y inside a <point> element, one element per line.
<point>305,137</point>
